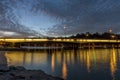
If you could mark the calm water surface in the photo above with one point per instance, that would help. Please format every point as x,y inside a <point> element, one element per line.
<point>88,64</point>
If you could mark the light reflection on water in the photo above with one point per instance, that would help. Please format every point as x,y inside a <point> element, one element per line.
<point>87,64</point>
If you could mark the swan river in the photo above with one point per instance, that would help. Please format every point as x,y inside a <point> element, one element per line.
<point>80,64</point>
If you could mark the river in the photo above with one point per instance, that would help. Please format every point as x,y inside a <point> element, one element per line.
<point>81,64</point>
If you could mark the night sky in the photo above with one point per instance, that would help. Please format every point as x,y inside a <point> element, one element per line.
<point>58,17</point>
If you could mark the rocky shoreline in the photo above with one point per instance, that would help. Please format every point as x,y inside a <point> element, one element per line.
<point>20,73</point>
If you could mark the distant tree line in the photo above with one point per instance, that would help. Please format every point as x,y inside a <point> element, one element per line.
<point>88,35</point>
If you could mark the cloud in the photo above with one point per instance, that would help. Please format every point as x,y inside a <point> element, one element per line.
<point>82,15</point>
<point>9,21</point>
<point>76,15</point>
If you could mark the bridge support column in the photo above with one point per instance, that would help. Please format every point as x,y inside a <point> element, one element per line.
<point>118,45</point>
<point>19,45</point>
<point>93,45</point>
<point>62,45</point>
<point>113,45</point>
<point>104,46</point>
<point>79,45</point>
<point>44,44</point>
<point>89,45</point>
<point>56,45</point>
<point>35,45</point>
<point>13,44</point>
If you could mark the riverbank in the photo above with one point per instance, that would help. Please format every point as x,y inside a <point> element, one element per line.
<point>20,73</point>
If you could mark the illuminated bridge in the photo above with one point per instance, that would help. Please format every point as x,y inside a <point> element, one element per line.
<point>55,42</point>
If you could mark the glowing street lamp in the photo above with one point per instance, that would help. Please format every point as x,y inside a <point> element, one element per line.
<point>113,36</point>
<point>87,34</point>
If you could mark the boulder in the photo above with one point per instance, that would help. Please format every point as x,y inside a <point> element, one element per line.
<point>16,68</point>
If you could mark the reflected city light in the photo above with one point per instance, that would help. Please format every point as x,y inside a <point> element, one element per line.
<point>94,57</point>
<point>53,62</point>
<point>25,58</point>
<point>64,68</point>
<point>113,63</point>
<point>64,71</point>
<point>88,62</point>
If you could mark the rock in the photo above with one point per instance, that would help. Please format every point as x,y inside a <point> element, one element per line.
<point>20,73</point>
<point>12,68</point>
<point>3,62</point>
<point>16,68</point>
<point>20,77</point>
<point>20,68</point>
<point>3,68</point>
<point>1,73</point>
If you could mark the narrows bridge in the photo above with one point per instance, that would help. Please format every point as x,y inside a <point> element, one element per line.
<point>56,42</point>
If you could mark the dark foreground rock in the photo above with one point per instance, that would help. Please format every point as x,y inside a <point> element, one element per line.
<point>20,73</point>
<point>3,62</point>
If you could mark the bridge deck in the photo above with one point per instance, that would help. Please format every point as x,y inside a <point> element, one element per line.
<point>58,40</point>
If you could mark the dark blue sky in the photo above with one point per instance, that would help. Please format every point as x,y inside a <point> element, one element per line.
<point>58,17</point>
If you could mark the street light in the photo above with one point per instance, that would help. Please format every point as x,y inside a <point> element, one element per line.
<point>113,36</point>
<point>87,34</point>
